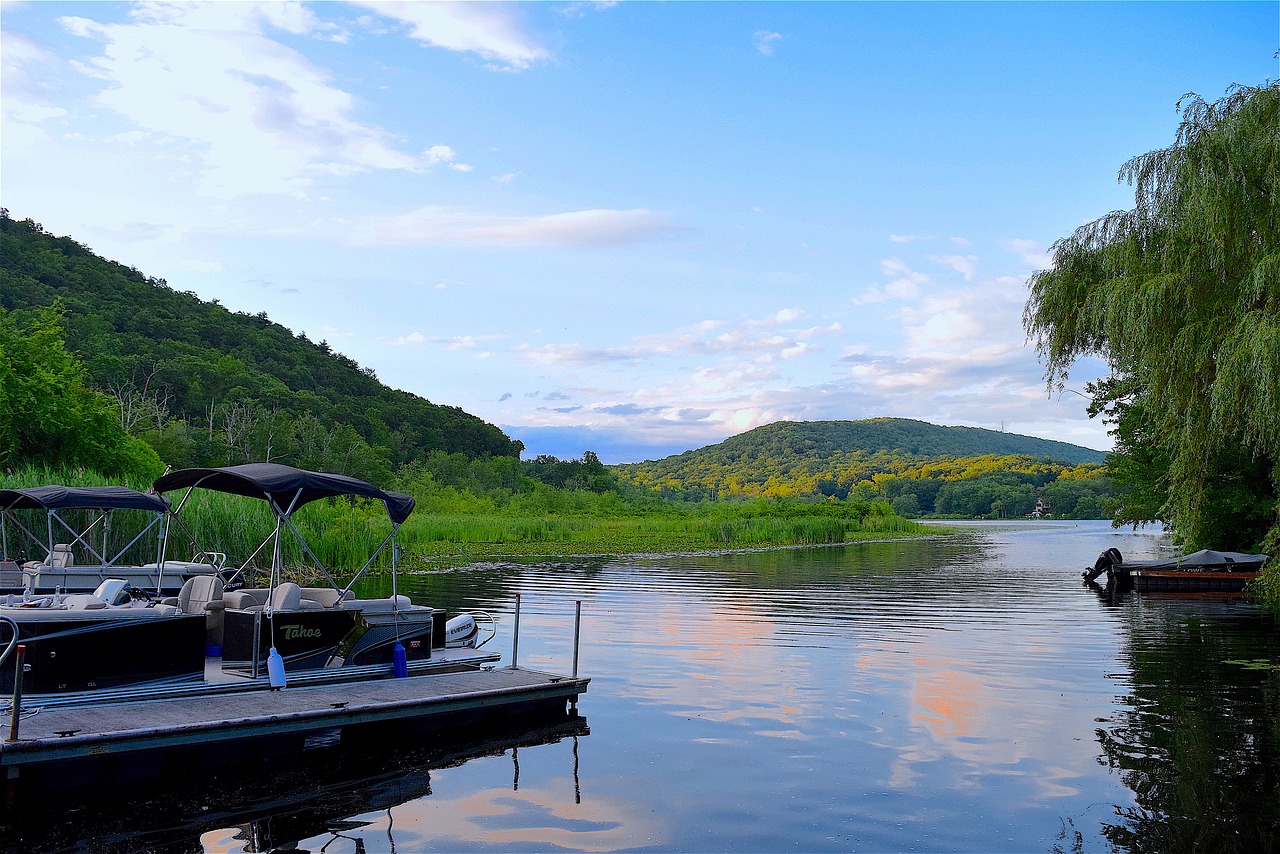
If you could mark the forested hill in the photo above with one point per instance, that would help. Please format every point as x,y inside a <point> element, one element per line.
<point>829,457</point>
<point>205,385</point>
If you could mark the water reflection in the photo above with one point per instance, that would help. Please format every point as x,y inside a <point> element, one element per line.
<point>354,792</point>
<point>1197,740</point>
<point>960,693</point>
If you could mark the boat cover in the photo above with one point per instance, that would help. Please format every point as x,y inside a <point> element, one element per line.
<point>80,498</point>
<point>285,486</point>
<point>1205,559</point>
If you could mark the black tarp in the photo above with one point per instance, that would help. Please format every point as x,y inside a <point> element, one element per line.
<point>287,487</point>
<point>1205,559</point>
<point>80,498</point>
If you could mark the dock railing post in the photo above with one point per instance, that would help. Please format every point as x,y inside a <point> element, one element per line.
<point>16,710</point>
<point>577,632</point>
<point>515,637</point>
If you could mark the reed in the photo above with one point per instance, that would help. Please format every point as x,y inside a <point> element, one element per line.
<point>452,526</point>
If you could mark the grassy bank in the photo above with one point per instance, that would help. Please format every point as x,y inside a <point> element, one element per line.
<point>454,527</point>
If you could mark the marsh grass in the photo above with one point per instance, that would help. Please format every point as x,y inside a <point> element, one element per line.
<point>452,528</point>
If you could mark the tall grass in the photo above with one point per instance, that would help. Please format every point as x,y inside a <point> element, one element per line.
<point>453,526</point>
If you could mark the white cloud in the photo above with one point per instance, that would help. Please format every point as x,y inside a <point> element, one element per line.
<point>766,41</point>
<point>23,105</point>
<point>450,342</point>
<point>489,30</point>
<point>1034,253</point>
<point>905,283</point>
<point>443,154</point>
<point>210,87</point>
<point>966,265</point>
<point>904,238</point>
<point>575,228</point>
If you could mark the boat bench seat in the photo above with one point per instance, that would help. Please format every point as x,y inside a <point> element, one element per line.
<point>60,558</point>
<point>187,566</point>
<point>287,597</point>
<point>12,575</point>
<point>325,597</point>
<point>379,606</point>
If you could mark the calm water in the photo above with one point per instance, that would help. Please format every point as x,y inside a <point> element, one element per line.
<point>964,693</point>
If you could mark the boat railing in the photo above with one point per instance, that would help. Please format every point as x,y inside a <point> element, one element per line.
<point>13,640</point>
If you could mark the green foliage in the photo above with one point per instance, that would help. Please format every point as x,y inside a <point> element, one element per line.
<point>1181,295</point>
<point>910,464</point>
<point>50,417</point>
<point>206,386</point>
<point>830,458</point>
<point>586,473</point>
<point>513,516</point>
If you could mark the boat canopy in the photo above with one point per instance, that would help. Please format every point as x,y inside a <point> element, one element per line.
<point>284,486</point>
<point>80,498</point>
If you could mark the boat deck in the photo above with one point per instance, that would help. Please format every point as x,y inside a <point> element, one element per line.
<point>186,716</point>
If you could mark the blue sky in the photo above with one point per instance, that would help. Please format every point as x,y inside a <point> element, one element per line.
<point>634,228</point>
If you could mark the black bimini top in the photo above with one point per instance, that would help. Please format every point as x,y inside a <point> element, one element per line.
<point>80,498</point>
<point>286,487</point>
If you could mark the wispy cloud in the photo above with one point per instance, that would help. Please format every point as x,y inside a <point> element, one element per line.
<point>575,228</point>
<point>1034,253</point>
<point>766,41</point>
<point>489,30</point>
<point>208,84</point>
<point>965,265</point>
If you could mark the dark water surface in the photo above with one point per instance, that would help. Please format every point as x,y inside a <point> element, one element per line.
<point>964,693</point>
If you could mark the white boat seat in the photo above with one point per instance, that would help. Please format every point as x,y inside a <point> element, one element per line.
<point>203,595</point>
<point>324,597</point>
<point>286,597</point>
<point>60,558</point>
<point>12,575</point>
<point>379,606</point>
<point>184,566</point>
<point>246,598</point>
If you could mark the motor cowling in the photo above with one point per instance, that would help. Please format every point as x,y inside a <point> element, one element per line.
<point>461,631</point>
<point>1105,563</point>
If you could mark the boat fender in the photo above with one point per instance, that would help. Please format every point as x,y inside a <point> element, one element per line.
<point>399,661</point>
<point>461,631</point>
<point>275,670</point>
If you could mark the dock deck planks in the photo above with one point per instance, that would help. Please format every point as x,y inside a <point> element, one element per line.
<point>76,732</point>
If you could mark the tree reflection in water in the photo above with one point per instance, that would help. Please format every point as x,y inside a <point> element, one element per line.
<point>1198,742</point>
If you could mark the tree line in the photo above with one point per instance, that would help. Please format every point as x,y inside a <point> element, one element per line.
<point>207,386</point>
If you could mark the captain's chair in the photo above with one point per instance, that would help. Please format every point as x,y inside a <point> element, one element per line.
<point>202,594</point>
<point>60,558</point>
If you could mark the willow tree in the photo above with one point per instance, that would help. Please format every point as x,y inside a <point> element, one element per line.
<point>1181,297</point>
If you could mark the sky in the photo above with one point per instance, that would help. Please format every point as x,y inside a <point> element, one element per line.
<point>634,228</point>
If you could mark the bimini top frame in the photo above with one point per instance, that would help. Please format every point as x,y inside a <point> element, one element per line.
<point>53,498</point>
<point>285,489</point>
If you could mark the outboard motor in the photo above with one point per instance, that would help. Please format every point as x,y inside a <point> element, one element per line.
<point>461,631</point>
<point>1108,559</point>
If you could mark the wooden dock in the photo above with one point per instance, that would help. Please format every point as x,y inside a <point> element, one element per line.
<point>59,733</point>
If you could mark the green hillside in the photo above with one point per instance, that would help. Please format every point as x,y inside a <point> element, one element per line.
<point>831,457</point>
<point>204,385</point>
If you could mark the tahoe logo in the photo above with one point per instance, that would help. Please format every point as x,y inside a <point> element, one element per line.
<point>291,632</point>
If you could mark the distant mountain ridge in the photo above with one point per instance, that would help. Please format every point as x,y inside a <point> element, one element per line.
<point>800,455</point>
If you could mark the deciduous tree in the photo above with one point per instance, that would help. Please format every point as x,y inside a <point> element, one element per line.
<point>1181,297</point>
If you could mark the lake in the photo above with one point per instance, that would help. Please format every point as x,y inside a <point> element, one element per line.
<point>959,693</point>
